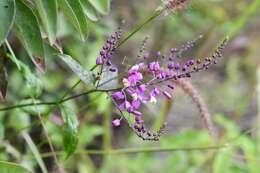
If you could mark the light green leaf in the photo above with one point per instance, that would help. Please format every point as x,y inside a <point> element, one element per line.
<point>73,10</point>
<point>102,6</point>
<point>89,10</point>
<point>48,13</point>
<point>8,167</point>
<point>7,13</point>
<point>70,134</point>
<point>84,75</point>
<point>28,31</point>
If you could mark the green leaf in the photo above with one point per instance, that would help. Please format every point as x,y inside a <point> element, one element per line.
<point>73,10</point>
<point>84,75</point>
<point>8,167</point>
<point>48,14</point>
<point>102,6</point>
<point>3,74</point>
<point>89,10</point>
<point>34,110</point>
<point>7,13</point>
<point>70,134</point>
<point>28,31</point>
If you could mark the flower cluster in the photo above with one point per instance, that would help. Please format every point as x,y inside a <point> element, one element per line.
<point>152,77</point>
<point>107,52</point>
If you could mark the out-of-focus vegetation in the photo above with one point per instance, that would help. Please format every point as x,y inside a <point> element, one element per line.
<point>80,130</point>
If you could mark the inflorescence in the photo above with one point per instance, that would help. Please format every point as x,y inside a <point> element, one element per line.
<point>150,78</point>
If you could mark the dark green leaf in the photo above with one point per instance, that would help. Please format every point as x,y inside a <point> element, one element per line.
<point>89,10</point>
<point>73,10</point>
<point>84,75</point>
<point>8,167</point>
<point>102,6</point>
<point>70,134</point>
<point>3,74</point>
<point>48,13</point>
<point>29,33</point>
<point>7,13</point>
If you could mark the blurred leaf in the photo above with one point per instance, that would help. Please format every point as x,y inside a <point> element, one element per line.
<point>3,74</point>
<point>89,10</point>
<point>7,13</point>
<point>34,110</point>
<point>222,161</point>
<point>34,84</point>
<point>70,135</point>
<point>84,75</point>
<point>28,31</point>
<point>92,131</point>
<point>102,6</point>
<point>48,13</point>
<point>18,119</point>
<point>73,10</point>
<point>35,151</point>
<point>8,167</point>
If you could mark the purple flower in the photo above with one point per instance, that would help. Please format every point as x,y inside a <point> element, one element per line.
<point>158,53</point>
<point>118,95</point>
<point>99,61</point>
<point>142,88</point>
<point>146,56</point>
<point>136,104</point>
<point>155,92</point>
<point>116,122</point>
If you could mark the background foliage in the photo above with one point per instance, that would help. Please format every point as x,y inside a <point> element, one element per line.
<point>34,33</point>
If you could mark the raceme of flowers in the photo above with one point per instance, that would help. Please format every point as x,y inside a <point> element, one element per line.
<point>150,78</point>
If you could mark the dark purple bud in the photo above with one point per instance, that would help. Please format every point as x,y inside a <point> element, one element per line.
<point>171,65</point>
<point>113,69</point>
<point>167,95</point>
<point>171,86</point>
<point>177,66</point>
<point>102,52</point>
<point>109,63</point>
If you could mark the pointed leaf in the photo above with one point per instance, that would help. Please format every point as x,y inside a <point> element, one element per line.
<point>7,13</point>
<point>89,10</point>
<point>84,75</point>
<point>8,167</point>
<point>48,13</point>
<point>28,31</point>
<point>70,135</point>
<point>73,10</point>
<point>102,6</point>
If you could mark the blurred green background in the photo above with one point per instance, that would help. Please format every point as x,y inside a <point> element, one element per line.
<point>229,89</point>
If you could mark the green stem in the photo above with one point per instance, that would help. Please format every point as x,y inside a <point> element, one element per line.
<point>140,150</point>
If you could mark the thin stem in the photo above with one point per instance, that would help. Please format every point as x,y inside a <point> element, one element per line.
<point>140,150</point>
<point>148,20</point>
